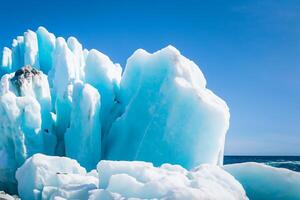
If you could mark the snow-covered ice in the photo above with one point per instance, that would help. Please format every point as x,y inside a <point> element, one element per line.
<point>141,180</point>
<point>44,177</point>
<point>265,182</point>
<point>50,177</point>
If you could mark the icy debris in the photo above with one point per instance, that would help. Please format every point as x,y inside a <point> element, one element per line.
<point>265,182</point>
<point>143,181</point>
<point>46,177</point>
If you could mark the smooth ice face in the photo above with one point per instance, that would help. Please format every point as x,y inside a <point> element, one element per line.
<point>44,177</point>
<point>83,138</point>
<point>264,182</point>
<point>26,123</point>
<point>143,181</point>
<point>168,113</point>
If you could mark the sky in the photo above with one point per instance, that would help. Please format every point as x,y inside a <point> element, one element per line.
<point>249,52</point>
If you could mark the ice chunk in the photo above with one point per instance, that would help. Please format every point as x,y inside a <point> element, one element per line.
<point>5,61</point>
<point>4,196</point>
<point>65,63</point>
<point>46,45</point>
<point>33,48</point>
<point>168,113</point>
<point>143,181</point>
<point>26,123</point>
<point>18,49</point>
<point>61,78</point>
<point>264,182</point>
<point>45,177</point>
<point>105,76</point>
<point>79,59</point>
<point>31,56</point>
<point>83,138</point>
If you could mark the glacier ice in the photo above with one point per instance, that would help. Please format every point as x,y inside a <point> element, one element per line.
<point>5,61</point>
<point>50,177</point>
<point>31,54</point>
<point>46,44</point>
<point>105,76</point>
<point>83,138</point>
<point>265,182</point>
<point>144,114</point>
<point>168,113</point>
<point>26,121</point>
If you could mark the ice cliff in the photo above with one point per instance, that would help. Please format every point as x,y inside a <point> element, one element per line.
<point>64,110</point>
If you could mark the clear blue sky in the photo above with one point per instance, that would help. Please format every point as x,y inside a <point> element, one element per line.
<point>248,50</point>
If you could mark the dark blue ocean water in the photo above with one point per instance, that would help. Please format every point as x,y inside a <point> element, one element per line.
<point>289,162</point>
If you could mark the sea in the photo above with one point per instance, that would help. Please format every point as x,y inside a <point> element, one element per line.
<point>288,162</point>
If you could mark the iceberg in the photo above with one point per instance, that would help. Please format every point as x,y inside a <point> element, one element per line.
<point>159,110</point>
<point>265,182</point>
<point>51,177</point>
<point>154,131</point>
